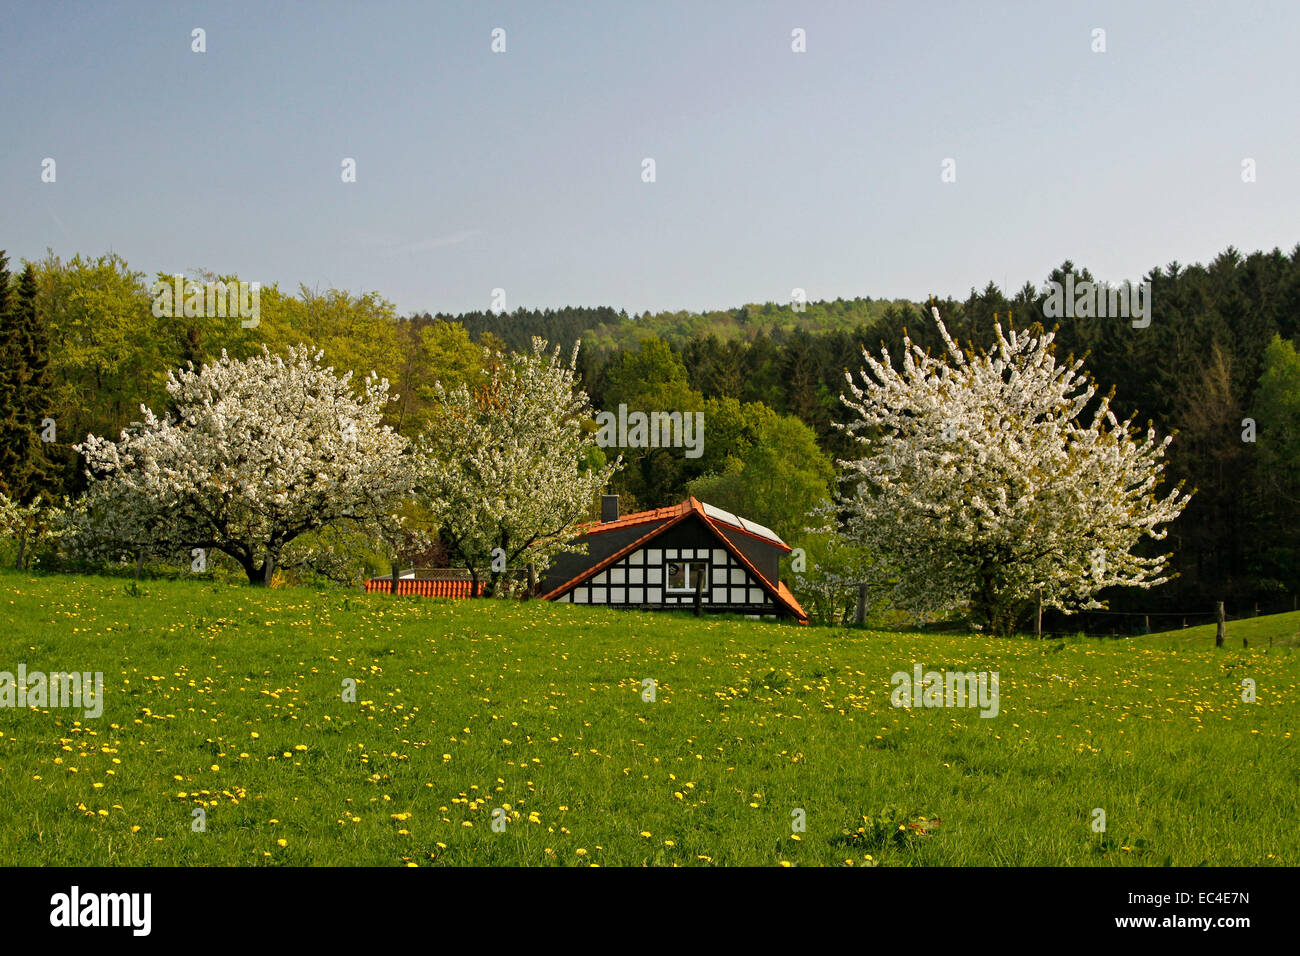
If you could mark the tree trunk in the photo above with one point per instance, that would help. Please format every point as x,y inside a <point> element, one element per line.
<point>258,575</point>
<point>1038,617</point>
<point>860,617</point>
<point>1221,632</point>
<point>989,607</point>
<point>699,592</point>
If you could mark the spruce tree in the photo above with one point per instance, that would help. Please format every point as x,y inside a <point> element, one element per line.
<point>34,395</point>
<point>10,376</point>
<point>24,387</point>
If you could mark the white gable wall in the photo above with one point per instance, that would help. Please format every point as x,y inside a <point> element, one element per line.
<point>638,580</point>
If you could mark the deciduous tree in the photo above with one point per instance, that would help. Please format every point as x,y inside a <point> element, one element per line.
<point>509,461</point>
<point>981,482</point>
<point>254,454</point>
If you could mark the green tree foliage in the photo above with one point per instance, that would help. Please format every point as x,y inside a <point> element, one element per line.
<point>1276,415</point>
<point>652,377</point>
<point>10,376</point>
<point>25,399</point>
<point>774,474</point>
<point>826,579</point>
<point>112,353</point>
<point>431,352</point>
<point>1195,370</point>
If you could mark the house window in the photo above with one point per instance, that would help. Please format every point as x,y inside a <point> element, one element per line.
<point>683,575</point>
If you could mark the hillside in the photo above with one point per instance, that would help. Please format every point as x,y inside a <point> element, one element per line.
<point>604,329</point>
<point>228,699</point>
<point>1280,630</point>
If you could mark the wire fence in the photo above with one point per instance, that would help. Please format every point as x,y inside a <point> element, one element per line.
<point>1123,624</point>
<point>1103,623</point>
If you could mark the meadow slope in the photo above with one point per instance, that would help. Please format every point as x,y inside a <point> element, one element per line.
<point>229,699</point>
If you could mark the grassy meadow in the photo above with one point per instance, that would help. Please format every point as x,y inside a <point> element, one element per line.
<point>229,699</point>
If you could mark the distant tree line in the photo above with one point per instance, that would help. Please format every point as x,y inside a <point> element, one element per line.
<point>81,349</point>
<point>1216,365</point>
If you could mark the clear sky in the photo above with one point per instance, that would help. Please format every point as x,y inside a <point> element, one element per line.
<point>774,169</point>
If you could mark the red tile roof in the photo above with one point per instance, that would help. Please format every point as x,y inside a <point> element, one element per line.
<point>640,517</point>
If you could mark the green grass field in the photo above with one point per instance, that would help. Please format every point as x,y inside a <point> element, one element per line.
<point>229,699</point>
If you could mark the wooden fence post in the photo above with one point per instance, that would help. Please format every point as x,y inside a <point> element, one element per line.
<point>397,568</point>
<point>861,616</point>
<point>1222,631</point>
<point>699,592</point>
<point>1038,618</point>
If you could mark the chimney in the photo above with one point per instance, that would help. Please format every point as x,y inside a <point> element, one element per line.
<point>608,508</point>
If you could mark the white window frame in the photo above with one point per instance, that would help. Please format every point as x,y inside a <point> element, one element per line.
<point>689,587</point>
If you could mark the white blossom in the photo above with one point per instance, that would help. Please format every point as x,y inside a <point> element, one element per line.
<point>252,455</point>
<point>980,485</point>
<point>32,525</point>
<point>509,465</point>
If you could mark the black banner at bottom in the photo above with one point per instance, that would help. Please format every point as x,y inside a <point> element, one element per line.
<point>338,906</point>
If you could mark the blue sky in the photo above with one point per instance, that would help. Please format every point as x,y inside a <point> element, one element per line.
<point>775,170</point>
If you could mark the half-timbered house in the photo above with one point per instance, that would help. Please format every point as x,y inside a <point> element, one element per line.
<point>670,558</point>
